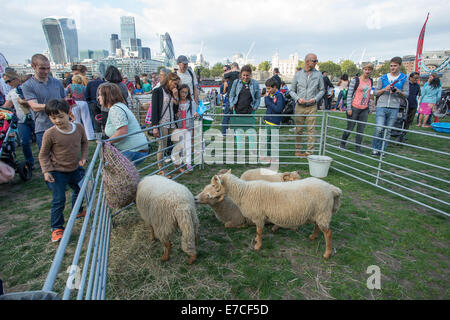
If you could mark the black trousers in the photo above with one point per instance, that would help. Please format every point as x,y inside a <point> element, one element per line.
<point>359,115</point>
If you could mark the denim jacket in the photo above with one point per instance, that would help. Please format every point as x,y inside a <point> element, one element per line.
<point>254,90</point>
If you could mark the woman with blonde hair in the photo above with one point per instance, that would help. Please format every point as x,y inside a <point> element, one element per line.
<point>358,99</point>
<point>121,121</point>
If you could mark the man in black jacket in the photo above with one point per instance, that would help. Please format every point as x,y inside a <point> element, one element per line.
<point>327,97</point>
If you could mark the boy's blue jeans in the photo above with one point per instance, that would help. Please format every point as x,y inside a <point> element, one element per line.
<point>58,188</point>
<point>384,117</point>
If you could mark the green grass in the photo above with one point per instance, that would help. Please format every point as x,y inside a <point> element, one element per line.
<point>408,242</point>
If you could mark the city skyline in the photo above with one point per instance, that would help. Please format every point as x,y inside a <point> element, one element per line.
<point>380,31</point>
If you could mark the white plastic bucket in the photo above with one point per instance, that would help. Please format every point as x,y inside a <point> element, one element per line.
<point>319,165</point>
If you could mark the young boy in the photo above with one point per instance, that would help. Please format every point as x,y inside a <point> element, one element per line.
<point>60,161</point>
<point>274,101</point>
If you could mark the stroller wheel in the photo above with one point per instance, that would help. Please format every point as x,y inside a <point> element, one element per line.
<point>24,170</point>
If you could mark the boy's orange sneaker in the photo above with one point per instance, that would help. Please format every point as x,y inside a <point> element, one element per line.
<point>82,214</point>
<point>57,235</point>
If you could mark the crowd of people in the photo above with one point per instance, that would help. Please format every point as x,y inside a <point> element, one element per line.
<point>62,116</point>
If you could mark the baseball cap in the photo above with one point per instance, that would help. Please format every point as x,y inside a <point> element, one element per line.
<point>182,59</point>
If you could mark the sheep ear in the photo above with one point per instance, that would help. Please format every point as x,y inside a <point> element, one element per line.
<point>215,181</point>
<point>286,176</point>
<point>229,171</point>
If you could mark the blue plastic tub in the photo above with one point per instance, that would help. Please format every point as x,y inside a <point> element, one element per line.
<point>441,127</point>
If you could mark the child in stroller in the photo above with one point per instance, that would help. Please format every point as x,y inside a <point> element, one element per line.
<point>8,129</point>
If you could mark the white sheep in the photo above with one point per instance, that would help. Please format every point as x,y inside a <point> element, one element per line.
<point>287,204</point>
<point>269,175</point>
<point>165,206</point>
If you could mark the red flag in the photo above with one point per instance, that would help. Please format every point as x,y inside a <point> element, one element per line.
<point>420,46</point>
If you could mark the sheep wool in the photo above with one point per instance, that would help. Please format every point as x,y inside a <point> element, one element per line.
<point>269,175</point>
<point>165,206</point>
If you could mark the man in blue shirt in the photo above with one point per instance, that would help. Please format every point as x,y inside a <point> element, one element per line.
<point>40,89</point>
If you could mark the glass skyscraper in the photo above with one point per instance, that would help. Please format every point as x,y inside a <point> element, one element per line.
<point>62,39</point>
<point>127,32</point>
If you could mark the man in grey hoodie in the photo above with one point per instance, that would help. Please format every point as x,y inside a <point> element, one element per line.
<point>307,89</point>
<point>391,89</point>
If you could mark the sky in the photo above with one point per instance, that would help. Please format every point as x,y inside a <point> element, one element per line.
<point>331,29</point>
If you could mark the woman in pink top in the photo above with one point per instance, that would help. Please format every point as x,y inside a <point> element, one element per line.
<point>358,98</point>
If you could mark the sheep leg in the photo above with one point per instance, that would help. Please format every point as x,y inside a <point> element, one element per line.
<point>167,248</point>
<point>258,239</point>
<point>327,236</point>
<point>315,233</point>
<point>152,234</point>
<point>275,228</point>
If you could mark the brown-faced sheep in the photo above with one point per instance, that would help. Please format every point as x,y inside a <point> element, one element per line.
<point>226,210</point>
<point>165,206</point>
<point>287,204</point>
<point>269,175</point>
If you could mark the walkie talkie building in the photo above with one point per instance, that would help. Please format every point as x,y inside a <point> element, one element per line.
<point>62,39</point>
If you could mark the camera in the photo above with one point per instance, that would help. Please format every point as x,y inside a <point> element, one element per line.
<point>20,92</point>
<point>393,89</point>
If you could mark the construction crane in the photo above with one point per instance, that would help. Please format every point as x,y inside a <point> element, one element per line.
<point>249,50</point>
<point>362,57</point>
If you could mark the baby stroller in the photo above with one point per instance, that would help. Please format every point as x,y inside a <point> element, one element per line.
<point>8,129</point>
<point>443,106</point>
<point>289,105</point>
<point>400,122</point>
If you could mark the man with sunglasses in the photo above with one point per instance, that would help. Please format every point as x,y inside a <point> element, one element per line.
<point>307,89</point>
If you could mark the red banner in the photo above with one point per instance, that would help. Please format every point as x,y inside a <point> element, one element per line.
<point>420,46</point>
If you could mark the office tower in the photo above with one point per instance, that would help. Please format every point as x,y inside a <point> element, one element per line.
<point>166,47</point>
<point>127,31</point>
<point>115,43</point>
<point>62,39</point>
<point>146,53</point>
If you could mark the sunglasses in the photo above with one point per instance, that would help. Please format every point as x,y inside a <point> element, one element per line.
<point>9,80</point>
<point>315,61</point>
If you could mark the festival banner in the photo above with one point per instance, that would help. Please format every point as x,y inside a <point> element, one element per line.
<point>420,46</point>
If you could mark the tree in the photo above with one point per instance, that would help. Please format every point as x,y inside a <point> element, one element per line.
<point>204,72</point>
<point>332,68</point>
<point>301,64</point>
<point>216,70</point>
<point>253,67</point>
<point>350,68</point>
<point>385,68</point>
<point>264,66</point>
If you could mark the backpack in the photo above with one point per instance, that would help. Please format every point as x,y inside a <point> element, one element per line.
<point>192,77</point>
<point>289,104</point>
